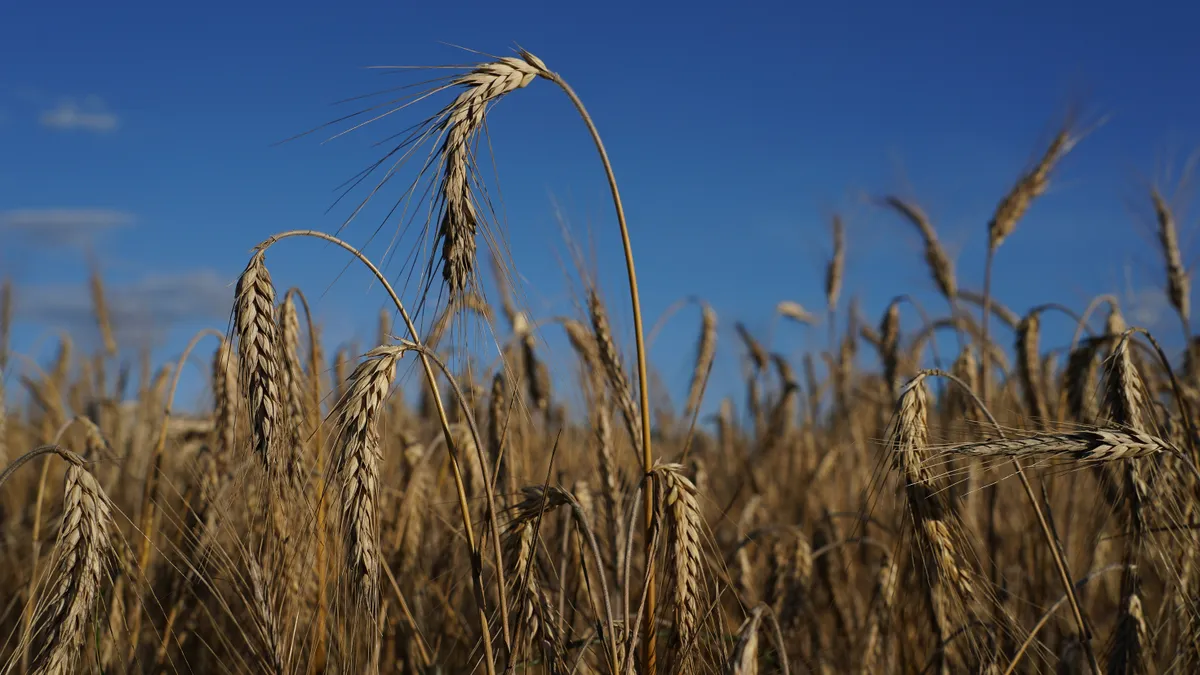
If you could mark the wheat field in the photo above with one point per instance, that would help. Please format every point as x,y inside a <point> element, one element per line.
<point>868,508</point>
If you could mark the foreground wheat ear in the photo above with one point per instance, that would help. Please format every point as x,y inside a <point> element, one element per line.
<point>459,211</point>
<point>64,615</point>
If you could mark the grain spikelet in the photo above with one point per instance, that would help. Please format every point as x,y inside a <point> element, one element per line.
<point>794,311</point>
<point>1029,186</point>
<point>459,123</point>
<point>610,358</point>
<point>100,308</point>
<point>254,323</point>
<point>706,350</point>
<point>292,383</point>
<point>1086,445</point>
<point>357,465</point>
<point>1080,381</point>
<point>940,264</point>
<point>1178,283</point>
<point>837,265</point>
<point>683,527</point>
<point>6,313</point>
<point>83,543</point>
<point>1028,369</point>
<point>758,355</point>
<point>948,581</point>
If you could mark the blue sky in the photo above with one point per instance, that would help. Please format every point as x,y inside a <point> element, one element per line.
<point>145,132</point>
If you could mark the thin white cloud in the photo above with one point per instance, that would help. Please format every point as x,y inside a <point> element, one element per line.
<point>53,227</point>
<point>90,115</point>
<point>140,310</point>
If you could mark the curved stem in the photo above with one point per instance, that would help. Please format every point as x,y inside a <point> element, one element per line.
<point>463,505</point>
<point>644,393</point>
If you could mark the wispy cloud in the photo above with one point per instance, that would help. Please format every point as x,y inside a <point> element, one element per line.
<point>140,311</point>
<point>55,227</point>
<point>89,115</point>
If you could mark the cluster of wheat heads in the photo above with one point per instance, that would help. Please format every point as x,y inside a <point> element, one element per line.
<point>1008,514</point>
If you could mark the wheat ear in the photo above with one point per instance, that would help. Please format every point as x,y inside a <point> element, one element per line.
<point>258,340</point>
<point>357,464</point>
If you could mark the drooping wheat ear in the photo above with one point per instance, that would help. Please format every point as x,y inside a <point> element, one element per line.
<point>683,528</point>
<point>940,264</point>
<point>100,308</point>
<point>947,579</point>
<point>837,265</point>
<point>357,465</point>
<point>706,350</point>
<point>1080,380</point>
<point>743,659</point>
<point>873,650</point>
<point>1028,370</point>
<point>460,122</point>
<point>610,358</point>
<point>1029,186</point>
<point>1178,282</point>
<point>794,311</point>
<point>292,381</point>
<point>63,618</point>
<point>258,343</point>
<point>889,346</point>
<point>6,312</point>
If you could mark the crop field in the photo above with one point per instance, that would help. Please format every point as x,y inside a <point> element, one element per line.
<point>960,497</point>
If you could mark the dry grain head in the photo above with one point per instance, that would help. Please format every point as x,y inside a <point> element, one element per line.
<point>1029,186</point>
<point>795,312</point>
<point>837,265</point>
<point>940,264</point>
<point>258,343</point>
<point>460,122</point>
<point>64,618</point>
<point>357,465</point>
